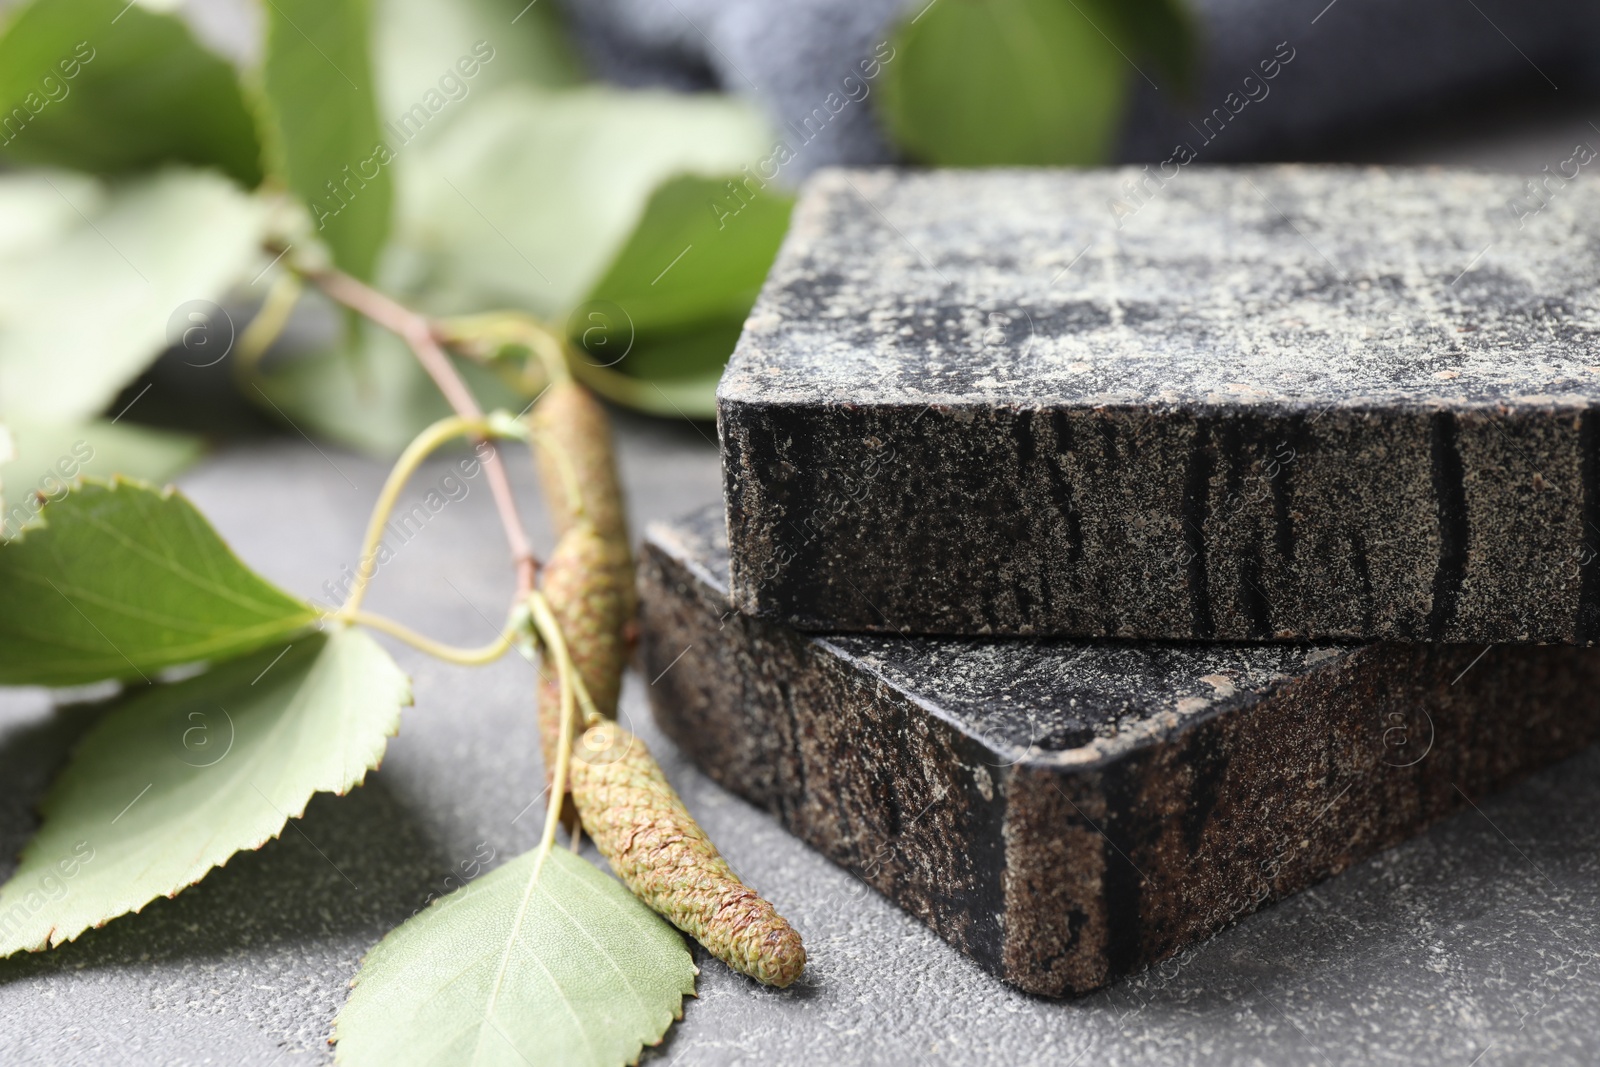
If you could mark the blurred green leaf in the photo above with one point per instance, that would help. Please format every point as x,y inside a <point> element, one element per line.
<point>670,308</point>
<point>107,86</point>
<point>526,199</point>
<point>671,374</point>
<point>121,580</point>
<point>437,55</point>
<point>177,778</point>
<point>700,252</point>
<point>95,277</point>
<point>692,353</point>
<point>371,397</point>
<point>1006,82</point>
<point>322,95</point>
<point>48,456</point>
<point>552,967</point>
<point>1163,30</point>
<point>7,453</point>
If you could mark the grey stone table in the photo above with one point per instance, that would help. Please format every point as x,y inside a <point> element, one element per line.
<point>1479,934</point>
<point>1474,943</point>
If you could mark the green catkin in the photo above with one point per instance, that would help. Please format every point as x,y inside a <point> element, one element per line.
<point>569,425</point>
<point>641,827</point>
<point>588,580</point>
<point>587,583</point>
<point>626,805</point>
<point>589,592</point>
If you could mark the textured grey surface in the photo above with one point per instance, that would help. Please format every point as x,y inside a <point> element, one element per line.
<point>1053,695</point>
<point>1239,403</point>
<point>1355,62</point>
<point>1479,934</point>
<point>1307,286</point>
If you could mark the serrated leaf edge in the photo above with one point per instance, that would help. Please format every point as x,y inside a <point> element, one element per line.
<point>41,812</point>
<point>453,897</point>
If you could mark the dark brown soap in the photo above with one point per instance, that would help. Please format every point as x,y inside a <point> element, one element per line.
<point>1240,404</point>
<point>1068,812</point>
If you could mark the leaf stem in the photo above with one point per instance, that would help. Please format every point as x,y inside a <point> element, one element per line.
<point>470,657</point>
<point>416,330</point>
<point>418,450</point>
<point>267,326</point>
<point>550,633</point>
<point>486,338</point>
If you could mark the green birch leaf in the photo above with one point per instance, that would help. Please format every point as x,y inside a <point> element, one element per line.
<point>526,199</point>
<point>48,456</point>
<point>140,453</point>
<point>1164,30</point>
<point>1005,82</point>
<point>667,312</point>
<point>570,970</point>
<point>686,397</point>
<point>122,580</point>
<point>108,86</point>
<point>674,375</point>
<point>322,96</point>
<point>433,55</point>
<point>8,452</point>
<point>177,778</point>
<point>700,252</point>
<point>370,396</point>
<point>95,277</point>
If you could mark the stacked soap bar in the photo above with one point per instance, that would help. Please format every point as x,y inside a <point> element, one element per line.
<point>1082,529</point>
<point>1066,812</point>
<point>1286,402</point>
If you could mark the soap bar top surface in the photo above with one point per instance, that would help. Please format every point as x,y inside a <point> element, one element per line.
<point>1300,286</point>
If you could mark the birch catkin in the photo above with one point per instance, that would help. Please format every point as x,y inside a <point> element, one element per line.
<point>627,806</point>
<point>588,580</point>
<point>570,426</point>
<point>654,845</point>
<point>589,591</point>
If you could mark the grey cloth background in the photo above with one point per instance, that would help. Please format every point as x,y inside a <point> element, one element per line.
<point>1357,63</point>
